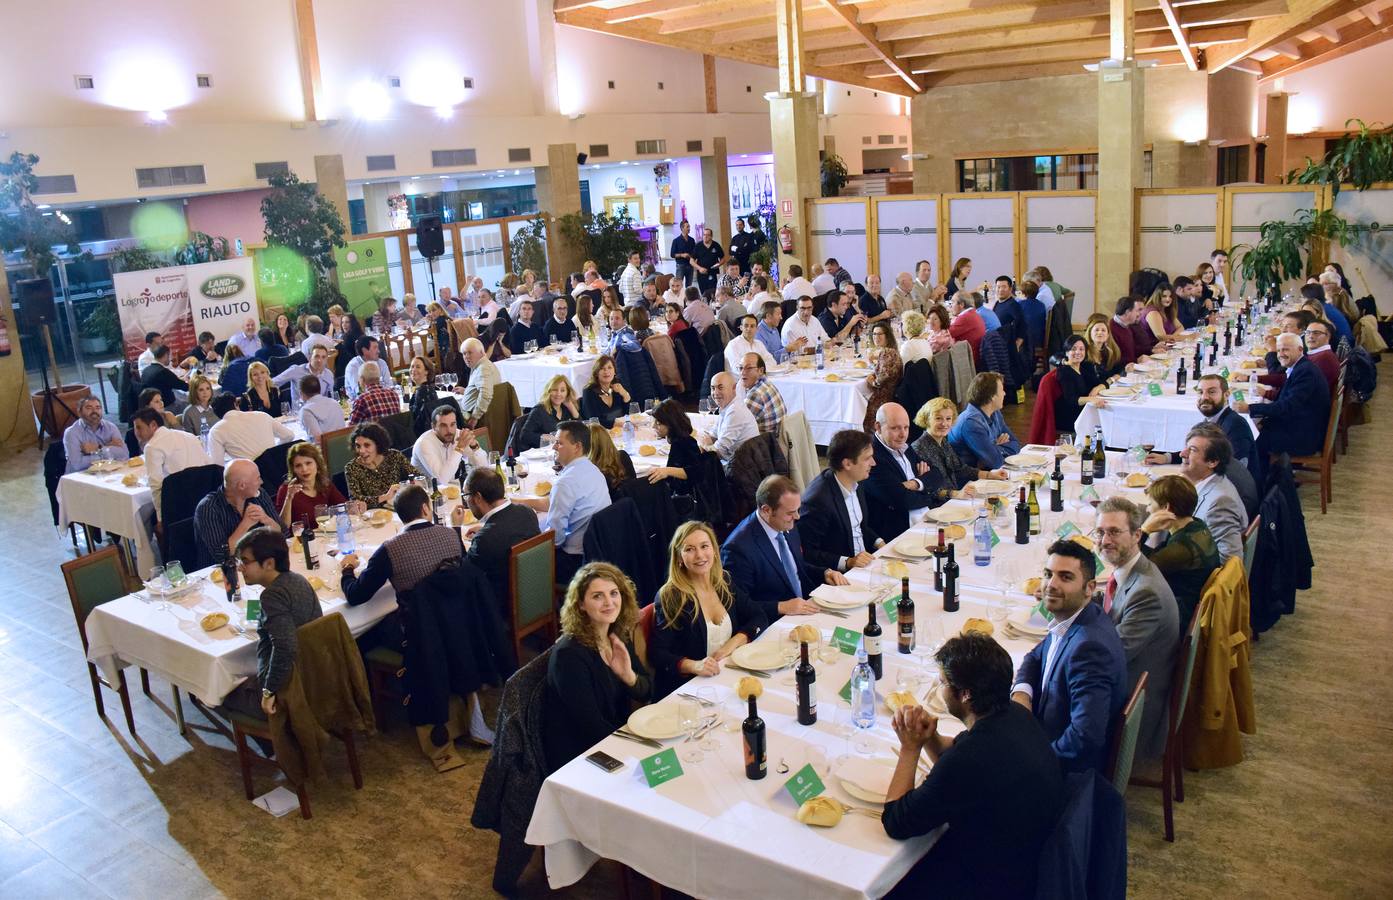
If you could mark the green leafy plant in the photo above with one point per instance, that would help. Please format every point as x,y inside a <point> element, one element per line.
<point>1362,159</point>
<point>1284,249</point>
<point>200,248</point>
<point>101,322</point>
<point>134,259</point>
<point>29,229</point>
<point>302,220</point>
<point>608,241</point>
<point>528,249</point>
<point>834,175</point>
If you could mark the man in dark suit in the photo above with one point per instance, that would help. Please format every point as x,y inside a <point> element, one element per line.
<point>901,485</point>
<point>501,525</point>
<point>837,531</point>
<point>161,377</point>
<point>1075,680</point>
<point>1128,313</point>
<point>1212,401</point>
<point>1295,422</point>
<point>523,330</point>
<point>764,554</point>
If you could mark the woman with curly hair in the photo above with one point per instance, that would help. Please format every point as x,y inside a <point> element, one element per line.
<point>376,471</point>
<point>885,373</point>
<point>594,676</point>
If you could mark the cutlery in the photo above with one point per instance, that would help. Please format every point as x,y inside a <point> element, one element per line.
<point>702,700</point>
<point>833,612</point>
<point>708,722</point>
<point>630,736</point>
<point>866,811</point>
<point>755,672</point>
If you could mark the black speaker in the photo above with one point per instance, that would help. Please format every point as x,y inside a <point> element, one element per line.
<point>35,298</point>
<point>581,158</point>
<point>430,239</point>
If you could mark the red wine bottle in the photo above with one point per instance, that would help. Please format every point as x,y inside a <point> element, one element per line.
<point>756,747</point>
<point>870,635</point>
<point>806,678</point>
<point>904,618</point>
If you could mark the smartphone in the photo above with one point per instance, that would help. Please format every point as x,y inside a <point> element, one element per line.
<point>605,761</point>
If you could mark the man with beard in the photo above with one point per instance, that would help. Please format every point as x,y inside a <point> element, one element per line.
<point>1212,400</point>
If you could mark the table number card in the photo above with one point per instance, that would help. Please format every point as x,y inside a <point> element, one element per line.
<point>1153,389</point>
<point>1237,396</point>
<point>1224,371</point>
<point>888,606</point>
<point>846,640</point>
<point>996,538</point>
<point>805,785</point>
<point>1088,494</point>
<point>1066,530</point>
<point>661,766</point>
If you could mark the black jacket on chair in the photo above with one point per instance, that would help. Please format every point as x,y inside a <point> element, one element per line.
<point>610,537</point>
<point>825,525</point>
<point>1282,562</point>
<point>888,500</point>
<point>489,549</point>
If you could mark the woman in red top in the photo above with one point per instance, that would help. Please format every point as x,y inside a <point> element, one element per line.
<point>672,314</point>
<point>307,487</point>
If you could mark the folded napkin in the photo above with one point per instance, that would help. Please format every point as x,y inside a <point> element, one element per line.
<point>841,595</point>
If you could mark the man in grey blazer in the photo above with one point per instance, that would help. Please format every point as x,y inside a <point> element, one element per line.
<point>1142,606</point>
<point>1203,461</point>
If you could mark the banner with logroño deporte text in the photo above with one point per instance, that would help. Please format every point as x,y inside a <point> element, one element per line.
<point>181,301</point>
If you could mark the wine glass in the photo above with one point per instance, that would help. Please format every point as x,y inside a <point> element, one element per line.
<point>321,516</point>
<point>649,405</point>
<point>633,409</point>
<point>689,719</point>
<point>704,406</point>
<point>790,651</point>
<point>706,698</point>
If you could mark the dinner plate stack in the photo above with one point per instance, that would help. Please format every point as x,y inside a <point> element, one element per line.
<point>761,656</point>
<point>840,596</point>
<point>1027,625</point>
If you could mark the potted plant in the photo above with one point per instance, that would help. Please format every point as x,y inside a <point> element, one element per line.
<point>834,175</point>
<point>608,241</point>
<point>302,230</point>
<point>100,328</point>
<point>528,249</point>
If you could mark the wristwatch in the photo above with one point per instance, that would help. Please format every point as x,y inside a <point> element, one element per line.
<point>267,695</point>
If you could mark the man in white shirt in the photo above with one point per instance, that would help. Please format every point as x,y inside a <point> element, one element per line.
<point>246,340</point>
<point>822,281</point>
<point>318,412</point>
<point>1219,259</point>
<point>153,340</point>
<point>734,424</point>
<point>631,280</point>
<point>447,303</point>
<point>483,377</point>
<point>746,342</point>
<point>167,450</point>
<point>316,337</point>
<point>759,295</point>
<point>803,330</point>
<point>675,293</point>
<point>368,351</point>
<point>1045,296</point>
<point>438,452</point>
<point>578,493</point>
<point>798,286</point>
<point>245,435</point>
<point>318,366</point>
<point>488,307</point>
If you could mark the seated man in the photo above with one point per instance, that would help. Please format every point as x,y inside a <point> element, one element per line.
<point>377,401</point>
<point>224,515</point>
<point>771,315</point>
<point>1295,422</point>
<point>161,377</point>
<point>523,330</point>
<point>316,337</point>
<point>734,422</point>
<point>206,351</point>
<point>764,554</point>
<point>967,325</point>
<point>761,397</point>
<point>803,332</point>
<point>579,492</point>
<point>369,351</point>
<point>837,532</point>
<point>559,326</point>
<point>797,285</point>
<point>440,452</point>
<point>244,435</point>
<point>746,341</point>
<point>901,485</point>
<point>871,303</point>
<point>981,433</point>
<point>247,340</point>
<point>92,437</point>
<point>501,525</point>
<point>1128,313</point>
<point>287,602</point>
<point>839,320</point>
<point>153,341</point>
<point>1203,462</point>
<point>318,366</point>
<point>1142,606</point>
<point>1075,680</point>
<point>318,413</point>
<point>996,827</point>
<point>1212,401</point>
<point>483,378</point>
<point>167,450</point>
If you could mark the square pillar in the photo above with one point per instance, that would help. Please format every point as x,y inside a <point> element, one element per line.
<point>1121,114</point>
<point>1275,167</point>
<point>329,181</point>
<point>715,193</point>
<point>797,170</point>
<point>558,194</point>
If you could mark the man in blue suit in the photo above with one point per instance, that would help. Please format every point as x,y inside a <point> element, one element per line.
<point>901,485</point>
<point>1295,422</point>
<point>764,554</point>
<point>980,433</point>
<point>1075,680</point>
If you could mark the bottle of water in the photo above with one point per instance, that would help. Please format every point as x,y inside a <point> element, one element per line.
<point>345,530</point>
<point>630,436</point>
<point>203,435</point>
<point>982,539</point>
<point>821,359</point>
<point>862,692</point>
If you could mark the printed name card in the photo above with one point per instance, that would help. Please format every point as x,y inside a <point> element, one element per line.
<point>996,538</point>
<point>1153,389</point>
<point>661,766</point>
<point>1066,530</point>
<point>891,611</point>
<point>846,640</point>
<point>805,785</point>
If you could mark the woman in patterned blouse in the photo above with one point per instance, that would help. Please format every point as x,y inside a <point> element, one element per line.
<point>376,471</point>
<point>937,418</point>
<point>885,376</point>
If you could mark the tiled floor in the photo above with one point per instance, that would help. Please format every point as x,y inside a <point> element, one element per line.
<point>87,810</point>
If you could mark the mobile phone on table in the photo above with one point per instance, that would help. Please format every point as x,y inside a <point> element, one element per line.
<point>605,761</point>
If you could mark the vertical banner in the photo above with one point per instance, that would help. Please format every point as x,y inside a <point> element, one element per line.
<point>222,294</point>
<point>362,269</point>
<point>154,300</point>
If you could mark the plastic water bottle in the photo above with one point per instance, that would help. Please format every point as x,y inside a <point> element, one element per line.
<point>862,692</point>
<point>630,436</point>
<point>982,539</point>
<point>203,435</point>
<point>821,360</point>
<point>345,530</point>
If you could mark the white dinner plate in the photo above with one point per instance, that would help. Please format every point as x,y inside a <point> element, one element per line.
<point>866,779</point>
<point>911,545</point>
<point>954,511</point>
<point>658,721</point>
<point>761,655</point>
<point>1117,392</point>
<point>1027,460</point>
<point>989,487</point>
<point>1029,623</point>
<point>832,596</point>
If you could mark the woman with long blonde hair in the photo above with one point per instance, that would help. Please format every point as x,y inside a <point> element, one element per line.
<point>700,618</point>
<point>261,395</point>
<point>559,402</point>
<point>594,675</point>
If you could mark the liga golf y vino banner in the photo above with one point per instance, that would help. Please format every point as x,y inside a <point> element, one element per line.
<point>362,271</point>
<point>181,301</point>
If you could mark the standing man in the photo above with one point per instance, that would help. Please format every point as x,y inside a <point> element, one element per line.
<point>483,378</point>
<point>440,451</point>
<point>706,258</point>
<point>580,492</point>
<point>683,248</point>
<point>901,485</point>
<point>837,531</point>
<point>631,280</point>
<point>734,423</point>
<point>224,515</point>
<point>742,244</point>
<point>92,436</point>
<point>318,367</point>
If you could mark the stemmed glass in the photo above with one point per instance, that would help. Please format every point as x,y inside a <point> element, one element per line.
<point>790,650</point>
<point>704,406</point>
<point>633,408</point>
<point>689,718</point>
<point>706,698</point>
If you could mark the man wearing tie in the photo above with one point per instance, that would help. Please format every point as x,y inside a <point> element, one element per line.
<point>901,485</point>
<point>1075,680</point>
<point>764,554</point>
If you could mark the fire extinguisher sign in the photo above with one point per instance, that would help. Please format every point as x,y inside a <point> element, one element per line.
<point>786,207</point>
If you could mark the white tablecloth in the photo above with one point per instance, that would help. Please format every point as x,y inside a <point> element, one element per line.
<point>831,406</point>
<point>101,500</point>
<point>529,374</point>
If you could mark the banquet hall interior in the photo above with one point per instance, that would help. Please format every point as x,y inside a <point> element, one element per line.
<point>443,448</point>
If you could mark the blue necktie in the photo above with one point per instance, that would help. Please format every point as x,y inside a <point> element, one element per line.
<point>790,570</point>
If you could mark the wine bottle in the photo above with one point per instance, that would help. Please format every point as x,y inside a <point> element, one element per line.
<point>1057,486</point>
<point>1180,380</point>
<point>437,500</point>
<point>939,552</point>
<point>307,544</point>
<point>1100,458</point>
<point>1086,462</point>
<point>904,617</point>
<point>756,747</point>
<point>871,638</point>
<point>1022,521</point>
<point>806,678</point>
<point>1033,504</point>
<point>1214,354</point>
<point>229,578</point>
<point>950,581</point>
<point>1228,336</point>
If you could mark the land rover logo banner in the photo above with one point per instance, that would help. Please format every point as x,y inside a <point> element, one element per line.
<point>222,294</point>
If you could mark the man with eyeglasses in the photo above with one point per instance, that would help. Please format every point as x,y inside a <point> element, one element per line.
<point>803,330</point>
<point>501,525</point>
<point>761,397</point>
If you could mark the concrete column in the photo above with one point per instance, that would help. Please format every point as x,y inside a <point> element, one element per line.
<point>937,171</point>
<point>1121,114</point>
<point>715,193</point>
<point>797,171</point>
<point>829,144</point>
<point>558,194</point>
<point>14,384</point>
<point>1275,167</point>
<point>329,181</point>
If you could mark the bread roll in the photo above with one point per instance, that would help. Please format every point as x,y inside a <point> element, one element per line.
<point>807,633</point>
<point>898,699</point>
<point>213,621</point>
<point>978,626</point>
<point>647,450</point>
<point>136,461</point>
<point>1031,586</point>
<point>543,488</point>
<point>1137,480</point>
<point>824,812</point>
<point>216,576</point>
<point>749,686</point>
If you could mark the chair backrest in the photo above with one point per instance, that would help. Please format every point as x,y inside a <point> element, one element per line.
<point>278,364</point>
<point>643,633</point>
<point>1185,670</point>
<point>532,580</point>
<point>400,429</point>
<point>1250,546</point>
<point>512,448</point>
<point>273,465</point>
<point>1332,427</point>
<point>92,580</point>
<point>180,493</point>
<point>337,448</point>
<point>503,409</point>
<point>802,451</point>
<point>1125,740</point>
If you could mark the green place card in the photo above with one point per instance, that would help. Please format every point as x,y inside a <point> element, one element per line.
<point>661,766</point>
<point>1237,396</point>
<point>253,609</point>
<point>846,640</point>
<point>996,538</point>
<point>1153,389</point>
<point>845,693</point>
<point>805,785</point>
<point>1097,565</point>
<point>1044,613</point>
<point>1224,371</point>
<point>891,612</point>
<point>1065,530</point>
<point>1088,493</point>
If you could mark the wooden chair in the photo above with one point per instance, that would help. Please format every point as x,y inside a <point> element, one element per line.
<point>1124,744</point>
<point>92,580</point>
<point>1320,464</point>
<point>1250,546</point>
<point>337,448</point>
<point>1172,762</point>
<point>532,588</point>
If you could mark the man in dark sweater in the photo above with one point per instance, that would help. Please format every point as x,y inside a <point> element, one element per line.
<point>501,524</point>
<point>998,786</point>
<point>287,602</point>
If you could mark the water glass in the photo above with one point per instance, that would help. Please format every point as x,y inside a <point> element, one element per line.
<point>706,698</point>
<point>816,756</point>
<point>174,573</point>
<point>689,718</point>
<point>790,650</point>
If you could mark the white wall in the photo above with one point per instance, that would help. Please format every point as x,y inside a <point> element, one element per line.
<point>1327,95</point>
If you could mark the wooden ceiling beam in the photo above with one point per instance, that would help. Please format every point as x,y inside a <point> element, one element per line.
<point>1178,31</point>
<point>1019,73</point>
<point>621,14</point>
<point>867,35</point>
<point>1234,11</point>
<point>1353,38</point>
<point>1301,17</point>
<point>1372,13</point>
<point>561,6</point>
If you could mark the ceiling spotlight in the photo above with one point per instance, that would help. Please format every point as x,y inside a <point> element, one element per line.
<point>157,115</point>
<point>369,100</point>
<point>445,112</point>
